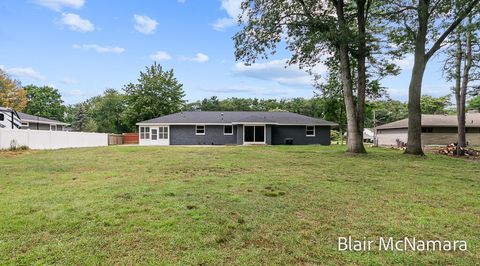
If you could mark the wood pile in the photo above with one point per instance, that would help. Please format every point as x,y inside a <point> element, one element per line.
<point>453,150</point>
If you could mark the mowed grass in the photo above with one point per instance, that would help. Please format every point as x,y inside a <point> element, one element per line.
<point>232,205</point>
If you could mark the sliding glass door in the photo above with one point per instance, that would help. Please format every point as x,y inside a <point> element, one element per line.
<point>254,134</point>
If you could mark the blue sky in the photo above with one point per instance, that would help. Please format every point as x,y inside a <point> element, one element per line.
<point>82,47</point>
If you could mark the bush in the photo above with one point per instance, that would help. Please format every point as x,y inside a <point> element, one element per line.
<point>14,146</point>
<point>335,135</point>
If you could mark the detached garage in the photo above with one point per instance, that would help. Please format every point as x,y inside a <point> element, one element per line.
<point>436,130</point>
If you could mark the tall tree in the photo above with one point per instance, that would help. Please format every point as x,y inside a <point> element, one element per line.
<point>12,95</point>
<point>313,30</point>
<point>81,121</point>
<point>386,111</point>
<point>157,93</point>
<point>108,111</point>
<point>434,105</point>
<point>416,24</point>
<point>44,101</point>
<point>462,66</point>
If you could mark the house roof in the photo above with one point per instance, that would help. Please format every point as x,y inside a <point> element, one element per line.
<point>38,119</point>
<point>472,120</point>
<point>218,117</point>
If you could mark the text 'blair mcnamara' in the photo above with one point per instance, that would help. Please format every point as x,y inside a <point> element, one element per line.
<point>403,244</point>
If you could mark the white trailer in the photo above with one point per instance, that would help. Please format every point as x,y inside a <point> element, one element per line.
<point>9,119</point>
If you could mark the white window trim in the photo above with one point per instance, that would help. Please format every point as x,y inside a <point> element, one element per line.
<point>204,130</point>
<point>145,132</point>
<point>227,134</point>
<point>255,142</point>
<point>25,124</point>
<point>306,134</point>
<point>163,132</point>
<point>156,135</point>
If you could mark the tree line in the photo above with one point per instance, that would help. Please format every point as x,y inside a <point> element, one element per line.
<point>158,93</point>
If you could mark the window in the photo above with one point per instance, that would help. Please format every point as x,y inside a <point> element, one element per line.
<point>427,129</point>
<point>2,117</point>
<point>163,133</point>
<point>472,130</point>
<point>227,130</point>
<point>310,131</point>
<point>53,127</point>
<point>200,130</point>
<point>154,134</point>
<point>25,124</point>
<point>144,132</point>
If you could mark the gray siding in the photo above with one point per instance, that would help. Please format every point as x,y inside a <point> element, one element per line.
<point>298,134</point>
<point>239,134</point>
<point>268,134</point>
<point>41,126</point>
<point>185,135</point>
<point>33,126</point>
<point>275,135</point>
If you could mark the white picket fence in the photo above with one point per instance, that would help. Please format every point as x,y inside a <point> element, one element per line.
<point>46,140</point>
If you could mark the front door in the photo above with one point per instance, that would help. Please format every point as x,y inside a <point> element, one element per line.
<point>254,134</point>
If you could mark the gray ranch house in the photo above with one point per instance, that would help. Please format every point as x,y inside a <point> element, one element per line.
<point>12,119</point>
<point>234,128</point>
<point>34,122</point>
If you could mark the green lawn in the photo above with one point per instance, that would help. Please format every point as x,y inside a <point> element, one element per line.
<point>232,205</point>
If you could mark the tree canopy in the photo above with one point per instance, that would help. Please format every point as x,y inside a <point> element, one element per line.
<point>12,95</point>
<point>157,93</point>
<point>108,111</point>
<point>44,101</point>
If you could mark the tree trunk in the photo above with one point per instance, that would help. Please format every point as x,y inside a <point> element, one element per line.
<point>361,69</point>
<point>462,140</point>
<point>414,142</point>
<point>458,94</point>
<point>354,138</point>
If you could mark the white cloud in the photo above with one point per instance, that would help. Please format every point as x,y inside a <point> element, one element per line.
<point>57,5</point>
<point>222,23</point>
<point>76,23</point>
<point>181,1</point>
<point>144,24</point>
<point>278,71</point>
<point>24,72</point>
<point>160,56</point>
<point>99,49</point>
<point>233,9</point>
<point>68,80</point>
<point>199,57</point>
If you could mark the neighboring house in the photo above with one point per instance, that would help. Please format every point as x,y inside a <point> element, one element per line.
<point>34,122</point>
<point>9,118</point>
<point>436,130</point>
<point>224,128</point>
